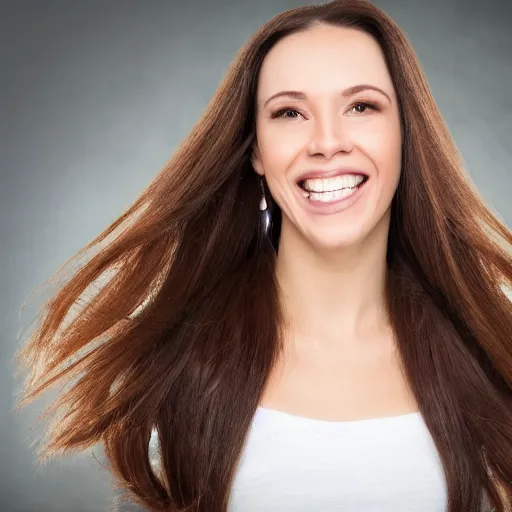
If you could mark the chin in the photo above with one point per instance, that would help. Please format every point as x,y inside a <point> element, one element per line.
<point>347,233</point>
<point>332,236</point>
<point>337,241</point>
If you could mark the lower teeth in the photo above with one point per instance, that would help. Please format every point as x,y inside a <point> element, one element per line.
<point>330,196</point>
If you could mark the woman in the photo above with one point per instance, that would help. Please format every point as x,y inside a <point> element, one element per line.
<point>308,309</point>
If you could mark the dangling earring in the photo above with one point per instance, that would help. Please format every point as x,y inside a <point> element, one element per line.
<point>265,216</point>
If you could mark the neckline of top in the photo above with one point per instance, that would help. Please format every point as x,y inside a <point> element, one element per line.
<point>268,414</point>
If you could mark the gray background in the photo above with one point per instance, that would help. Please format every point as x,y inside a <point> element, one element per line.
<point>95,97</point>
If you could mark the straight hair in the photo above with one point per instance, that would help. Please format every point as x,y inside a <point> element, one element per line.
<point>182,336</point>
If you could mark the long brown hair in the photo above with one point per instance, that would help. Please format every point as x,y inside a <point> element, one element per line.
<point>183,334</point>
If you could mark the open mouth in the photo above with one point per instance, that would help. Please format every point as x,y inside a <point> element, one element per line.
<point>325,193</point>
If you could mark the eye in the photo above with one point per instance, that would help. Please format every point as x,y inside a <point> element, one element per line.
<point>281,112</point>
<point>365,105</point>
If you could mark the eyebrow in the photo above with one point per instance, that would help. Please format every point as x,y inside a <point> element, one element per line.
<point>350,91</point>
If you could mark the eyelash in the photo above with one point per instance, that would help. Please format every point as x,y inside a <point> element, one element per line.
<point>281,111</point>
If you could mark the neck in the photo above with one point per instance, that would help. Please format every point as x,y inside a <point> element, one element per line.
<point>333,298</point>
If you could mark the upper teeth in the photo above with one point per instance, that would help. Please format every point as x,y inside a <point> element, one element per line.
<point>335,183</point>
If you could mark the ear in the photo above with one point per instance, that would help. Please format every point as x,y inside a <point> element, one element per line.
<point>256,161</point>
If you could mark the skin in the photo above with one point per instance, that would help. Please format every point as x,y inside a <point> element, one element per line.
<point>331,268</point>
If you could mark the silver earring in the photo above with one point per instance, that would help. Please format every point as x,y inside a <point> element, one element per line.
<point>265,216</point>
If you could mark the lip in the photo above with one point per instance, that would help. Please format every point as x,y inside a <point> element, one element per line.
<point>330,208</point>
<point>339,171</point>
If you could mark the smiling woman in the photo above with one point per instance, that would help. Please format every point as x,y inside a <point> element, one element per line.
<point>347,127</point>
<point>308,309</point>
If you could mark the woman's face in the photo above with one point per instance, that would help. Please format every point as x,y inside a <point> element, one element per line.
<point>331,162</point>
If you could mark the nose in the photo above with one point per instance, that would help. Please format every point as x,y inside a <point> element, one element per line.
<point>329,137</point>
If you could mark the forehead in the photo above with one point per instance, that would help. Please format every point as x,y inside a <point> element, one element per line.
<point>322,61</point>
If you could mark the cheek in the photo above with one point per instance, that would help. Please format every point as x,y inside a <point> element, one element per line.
<point>384,147</point>
<point>279,148</point>
<point>278,155</point>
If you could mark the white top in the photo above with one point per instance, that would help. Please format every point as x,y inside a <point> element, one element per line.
<point>295,464</point>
